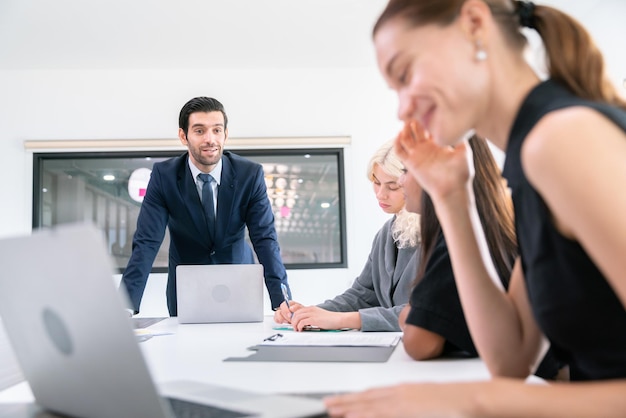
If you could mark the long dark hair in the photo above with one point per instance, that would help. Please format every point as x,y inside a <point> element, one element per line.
<point>200,104</point>
<point>494,209</point>
<point>574,59</point>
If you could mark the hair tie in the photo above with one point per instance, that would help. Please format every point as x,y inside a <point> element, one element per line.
<point>526,12</point>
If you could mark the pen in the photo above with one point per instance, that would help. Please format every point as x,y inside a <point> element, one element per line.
<point>273,337</point>
<point>286,296</point>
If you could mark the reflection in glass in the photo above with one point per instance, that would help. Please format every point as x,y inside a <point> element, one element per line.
<point>305,189</point>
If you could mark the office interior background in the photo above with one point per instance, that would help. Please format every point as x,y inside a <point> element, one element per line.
<point>118,70</point>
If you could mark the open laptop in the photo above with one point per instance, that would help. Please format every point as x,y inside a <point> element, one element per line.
<point>219,293</point>
<point>76,346</point>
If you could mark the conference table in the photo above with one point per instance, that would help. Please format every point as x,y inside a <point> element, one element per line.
<point>197,352</point>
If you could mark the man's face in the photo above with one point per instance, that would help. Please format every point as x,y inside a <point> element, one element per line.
<point>205,139</point>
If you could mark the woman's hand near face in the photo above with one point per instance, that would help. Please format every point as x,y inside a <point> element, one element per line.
<point>441,171</point>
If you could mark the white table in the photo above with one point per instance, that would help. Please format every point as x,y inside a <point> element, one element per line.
<point>196,352</point>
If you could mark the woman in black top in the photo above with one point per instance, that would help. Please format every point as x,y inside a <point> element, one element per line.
<point>459,65</point>
<point>435,324</point>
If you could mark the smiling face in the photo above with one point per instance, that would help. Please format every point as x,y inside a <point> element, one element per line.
<point>205,139</point>
<point>388,191</point>
<point>434,72</point>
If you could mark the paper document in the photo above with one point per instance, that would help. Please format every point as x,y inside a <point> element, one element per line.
<point>341,339</point>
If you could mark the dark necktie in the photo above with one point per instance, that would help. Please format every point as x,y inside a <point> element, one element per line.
<point>207,199</point>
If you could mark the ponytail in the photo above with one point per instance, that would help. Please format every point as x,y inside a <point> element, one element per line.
<point>574,59</point>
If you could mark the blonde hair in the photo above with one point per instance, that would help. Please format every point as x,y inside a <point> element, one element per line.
<point>386,158</point>
<point>406,227</point>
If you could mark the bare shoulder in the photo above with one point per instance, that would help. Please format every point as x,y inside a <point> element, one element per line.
<point>575,155</point>
<point>566,138</point>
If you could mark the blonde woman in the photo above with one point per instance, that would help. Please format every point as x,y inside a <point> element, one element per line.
<point>379,293</point>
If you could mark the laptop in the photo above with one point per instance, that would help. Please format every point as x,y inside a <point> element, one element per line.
<point>75,343</point>
<point>219,293</point>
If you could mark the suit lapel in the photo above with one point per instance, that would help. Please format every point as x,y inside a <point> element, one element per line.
<point>191,199</point>
<point>225,197</point>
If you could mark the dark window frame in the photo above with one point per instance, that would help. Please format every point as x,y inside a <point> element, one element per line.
<point>40,157</point>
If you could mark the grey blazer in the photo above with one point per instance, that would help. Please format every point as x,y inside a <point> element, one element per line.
<point>383,287</point>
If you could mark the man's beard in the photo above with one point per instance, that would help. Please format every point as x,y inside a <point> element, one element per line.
<point>197,155</point>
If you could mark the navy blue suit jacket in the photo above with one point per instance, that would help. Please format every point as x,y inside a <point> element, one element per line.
<point>172,201</point>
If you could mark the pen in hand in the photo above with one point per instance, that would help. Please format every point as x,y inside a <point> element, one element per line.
<point>286,296</point>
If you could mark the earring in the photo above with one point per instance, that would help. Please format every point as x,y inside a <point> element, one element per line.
<point>481,54</point>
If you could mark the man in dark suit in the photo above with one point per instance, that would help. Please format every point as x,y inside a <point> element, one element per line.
<point>206,216</point>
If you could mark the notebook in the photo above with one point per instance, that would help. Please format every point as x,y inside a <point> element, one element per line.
<point>75,343</point>
<point>219,293</point>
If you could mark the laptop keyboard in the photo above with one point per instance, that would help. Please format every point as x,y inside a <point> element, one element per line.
<point>186,409</point>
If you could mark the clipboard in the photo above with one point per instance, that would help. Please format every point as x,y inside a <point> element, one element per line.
<point>285,353</point>
<point>299,347</point>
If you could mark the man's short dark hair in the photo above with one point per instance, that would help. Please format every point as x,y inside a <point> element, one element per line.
<point>200,104</point>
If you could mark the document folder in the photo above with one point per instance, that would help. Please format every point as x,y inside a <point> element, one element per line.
<point>317,354</point>
<point>299,347</point>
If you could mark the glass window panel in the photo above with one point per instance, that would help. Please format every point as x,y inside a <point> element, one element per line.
<point>305,189</point>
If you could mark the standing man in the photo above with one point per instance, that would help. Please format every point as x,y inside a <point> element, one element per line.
<point>206,197</point>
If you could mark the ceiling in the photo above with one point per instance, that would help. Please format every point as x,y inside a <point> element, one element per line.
<point>225,34</point>
<point>190,34</point>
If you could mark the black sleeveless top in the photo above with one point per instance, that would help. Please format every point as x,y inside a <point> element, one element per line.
<point>571,300</point>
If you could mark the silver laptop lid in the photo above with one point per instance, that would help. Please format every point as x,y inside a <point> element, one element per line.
<point>75,343</point>
<point>219,293</point>
<point>68,327</point>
